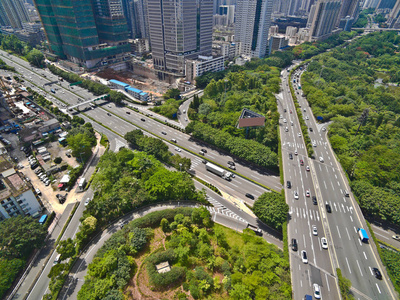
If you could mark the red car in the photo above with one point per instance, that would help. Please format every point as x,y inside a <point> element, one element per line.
<point>307,193</point>
<point>308,169</point>
<point>301,162</point>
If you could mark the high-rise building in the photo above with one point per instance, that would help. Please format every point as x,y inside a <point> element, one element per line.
<point>13,13</point>
<point>324,19</point>
<point>92,34</point>
<point>229,12</point>
<point>370,4</point>
<point>179,30</point>
<point>349,8</point>
<point>253,19</point>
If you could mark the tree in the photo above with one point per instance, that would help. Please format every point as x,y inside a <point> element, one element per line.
<point>19,236</point>
<point>81,146</point>
<point>36,58</point>
<point>240,292</point>
<point>66,248</point>
<point>272,209</point>
<point>172,94</point>
<point>8,271</point>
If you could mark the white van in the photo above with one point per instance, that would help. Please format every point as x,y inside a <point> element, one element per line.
<point>57,259</point>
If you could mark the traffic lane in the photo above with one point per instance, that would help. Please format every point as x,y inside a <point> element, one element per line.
<point>238,185</point>
<point>257,174</point>
<point>354,257</point>
<point>386,234</point>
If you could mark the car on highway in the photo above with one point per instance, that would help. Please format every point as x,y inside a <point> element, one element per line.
<point>108,114</point>
<point>186,119</point>
<point>128,112</point>
<point>346,193</point>
<point>296,195</point>
<point>294,244</point>
<point>307,193</point>
<point>304,258</point>
<point>323,129</point>
<point>290,156</point>
<point>286,129</point>
<point>396,237</point>
<point>314,200</point>
<point>178,149</point>
<point>143,120</point>
<point>291,123</point>
<point>314,230</point>
<point>163,132</point>
<point>231,163</point>
<point>314,144</point>
<point>204,150</point>
<point>377,273</point>
<point>307,118</point>
<point>324,243</point>
<point>204,161</point>
<point>201,152</point>
<point>304,110</point>
<point>311,130</point>
<point>301,162</point>
<point>321,159</point>
<point>249,196</point>
<point>295,152</point>
<point>288,184</point>
<point>317,291</point>
<point>328,207</point>
<point>87,201</point>
<point>299,134</point>
<point>284,121</point>
<point>308,169</point>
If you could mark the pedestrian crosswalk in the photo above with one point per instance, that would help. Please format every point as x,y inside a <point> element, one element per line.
<point>219,208</point>
<point>195,162</point>
<point>313,214</point>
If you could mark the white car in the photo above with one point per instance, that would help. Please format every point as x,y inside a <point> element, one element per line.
<point>307,193</point>
<point>314,144</point>
<point>307,118</point>
<point>324,243</point>
<point>317,291</point>
<point>295,152</point>
<point>87,201</point>
<point>296,195</point>
<point>284,121</point>
<point>304,257</point>
<point>321,159</point>
<point>291,123</point>
<point>299,134</point>
<point>178,149</point>
<point>314,230</point>
<point>323,129</point>
<point>286,129</point>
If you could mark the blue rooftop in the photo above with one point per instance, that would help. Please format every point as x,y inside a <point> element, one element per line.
<point>134,90</point>
<point>119,82</point>
<point>143,94</point>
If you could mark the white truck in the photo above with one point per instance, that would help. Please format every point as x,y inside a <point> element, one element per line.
<point>218,171</point>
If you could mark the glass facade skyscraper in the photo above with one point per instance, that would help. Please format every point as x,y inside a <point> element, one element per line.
<point>91,34</point>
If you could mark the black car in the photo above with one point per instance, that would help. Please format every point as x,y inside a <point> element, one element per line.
<point>294,244</point>
<point>314,200</point>
<point>290,155</point>
<point>311,129</point>
<point>231,163</point>
<point>204,150</point>
<point>250,196</point>
<point>128,112</point>
<point>328,208</point>
<point>289,184</point>
<point>163,132</point>
<point>204,161</point>
<point>108,114</point>
<point>142,119</point>
<point>377,273</point>
<point>284,110</point>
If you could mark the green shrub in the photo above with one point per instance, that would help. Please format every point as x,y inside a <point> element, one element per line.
<point>57,160</point>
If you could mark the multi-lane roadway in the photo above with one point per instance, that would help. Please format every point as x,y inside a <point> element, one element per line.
<point>327,182</point>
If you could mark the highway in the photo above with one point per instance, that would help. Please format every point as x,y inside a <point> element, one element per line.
<point>303,213</point>
<point>355,258</point>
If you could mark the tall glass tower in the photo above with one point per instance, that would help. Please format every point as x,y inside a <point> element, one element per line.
<point>92,34</point>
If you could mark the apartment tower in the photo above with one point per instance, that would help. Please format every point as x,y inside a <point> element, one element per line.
<point>253,19</point>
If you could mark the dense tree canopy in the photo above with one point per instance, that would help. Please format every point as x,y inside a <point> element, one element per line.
<point>272,209</point>
<point>356,88</point>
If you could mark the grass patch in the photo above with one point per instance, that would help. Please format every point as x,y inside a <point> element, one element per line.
<point>232,237</point>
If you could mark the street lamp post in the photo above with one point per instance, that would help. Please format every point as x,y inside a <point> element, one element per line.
<point>180,166</point>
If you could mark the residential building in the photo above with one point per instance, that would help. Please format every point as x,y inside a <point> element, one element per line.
<point>179,30</point>
<point>227,49</point>
<point>13,13</point>
<point>139,46</point>
<point>253,19</point>
<point>91,34</point>
<point>393,19</point>
<point>348,13</point>
<point>229,12</point>
<point>277,42</point>
<point>203,64</point>
<point>324,19</point>
<point>16,195</point>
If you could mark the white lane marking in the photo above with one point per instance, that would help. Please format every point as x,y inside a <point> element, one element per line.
<point>360,242</point>
<point>365,255</point>
<point>338,183</point>
<point>325,184</point>
<point>301,283</point>
<point>382,235</point>
<point>343,208</point>
<point>359,267</point>
<point>348,235</point>
<point>340,237</point>
<point>348,265</point>
<point>371,271</point>
<point>351,218</point>
<point>378,288</point>
<point>327,282</point>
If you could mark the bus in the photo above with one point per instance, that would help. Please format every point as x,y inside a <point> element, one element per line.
<point>42,219</point>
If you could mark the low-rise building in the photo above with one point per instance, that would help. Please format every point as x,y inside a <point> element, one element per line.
<point>203,64</point>
<point>16,195</point>
<point>49,126</point>
<point>134,92</point>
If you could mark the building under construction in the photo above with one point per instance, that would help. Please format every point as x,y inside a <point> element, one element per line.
<point>93,34</point>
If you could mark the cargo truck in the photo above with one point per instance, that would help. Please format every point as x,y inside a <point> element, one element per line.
<point>218,171</point>
<point>363,235</point>
<point>257,230</point>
